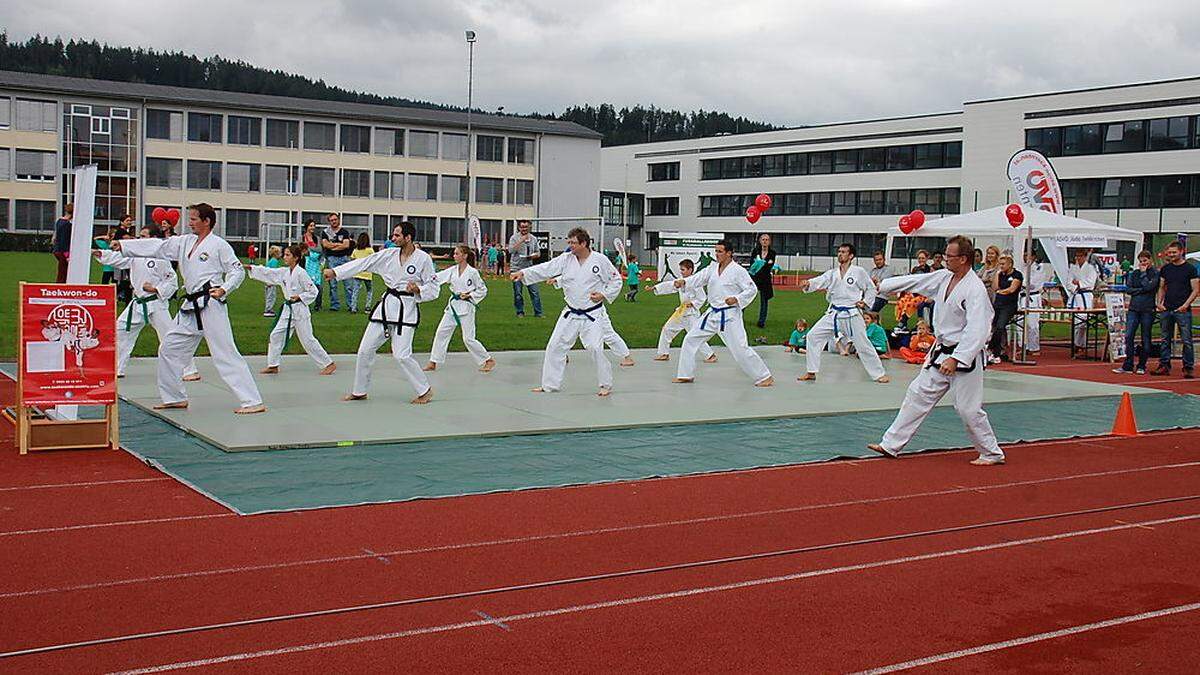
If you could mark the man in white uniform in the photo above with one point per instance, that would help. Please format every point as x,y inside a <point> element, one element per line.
<point>211,271</point>
<point>963,315</point>
<point>612,339</point>
<point>466,291</point>
<point>299,292</point>
<point>685,316</point>
<point>1039,274</point>
<point>409,278</point>
<point>588,280</point>
<point>1081,288</point>
<point>730,289</point>
<point>850,290</point>
<point>154,282</point>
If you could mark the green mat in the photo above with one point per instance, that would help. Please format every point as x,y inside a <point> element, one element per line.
<point>309,478</point>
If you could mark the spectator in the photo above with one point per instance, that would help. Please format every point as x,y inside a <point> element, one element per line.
<point>878,273</point>
<point>918,345</point>
<point>978,265</point>
<point>877,334</point>
<point>761,269</point>
<point>922,266</point>
<point>939,261</point>
<point>924,307</point>
<point>361,281</point>
<point>493,259</point>
<point>103,244</point>
<point>274,261</point>
<point>632,280</point>
<point>337,244</point>
<point>524,252</point>
<point>312,267</point>
<point>60,241</point>
<point>310,236</point>
<point>987,273</point>
<point>796,342</point>
<point>1142,286</point>
<point>1179,285</point>
<point>1006,286</point>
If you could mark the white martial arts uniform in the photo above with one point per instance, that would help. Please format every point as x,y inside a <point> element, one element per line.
<point>1082,296</point>
<point>396,314</point>
<point>205,264</point>
<point>684,318</point>
<point>964,323</point>
<point>152,308</point>
<point>294,315</point>
<point>722,319</point>
<point>612,339</point>
<point>460,312</point>
<point>844,319</point>
<point>583,319</point>
<point>1039,274</point>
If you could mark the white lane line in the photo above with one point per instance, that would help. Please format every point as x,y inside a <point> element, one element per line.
<point>1029,639</point>
<point>488,617</point>
<point>119,523</point>
<point>641,599</point>
<point>49,486</point>
<point>580,533</point>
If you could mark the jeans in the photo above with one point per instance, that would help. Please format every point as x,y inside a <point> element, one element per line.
<point>1004,314</point>
<point>1168,322</point>
<point>356,287</point>
<point>762,311</point>
<point>269,298</point>
<point>519,298</point>
<point>335,302</point>
<point>1134,320</point>
<point>880,302</point>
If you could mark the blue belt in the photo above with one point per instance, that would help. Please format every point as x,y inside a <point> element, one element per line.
<point>841,310</point>
<point>587,313</point>
<point>718,310</point>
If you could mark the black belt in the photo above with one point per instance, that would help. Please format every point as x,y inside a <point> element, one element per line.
<point>198,306</point>
<point>399,321</point>
<point>572,311</point>
<point>941,349</point>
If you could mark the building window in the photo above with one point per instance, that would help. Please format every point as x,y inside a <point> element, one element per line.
<point>928,156</point>
<point>870,202</point>
<point>5,166</point>
<point>845,161</point>
<point>203,175</point>
<point>454,188</point>
<point>845,203</point>
<point>1081,193</point>
<point>452,231</point>
<point>356,138</point>
<point>662,206</point>
<point>520,151</point>
<point>665,171</point>
<point>752,167</point>
<point>281,179</point>
<point>164,173</point>
<point>5,122</point>
<point>422,144</point>
<point>244,130</point>
<point>953,154</point>
<point>1046,141</point>
<point>1167,191</point>
<point>796,164</point>
<point>489,148</point>
<point>520,192</point>
<point>241,223</point>
<point>874,159</point>
<point>204,127</point>
<point>1125,137</point>
<point>731,167</point>
<point>1121,193</point>
<point>774,165</point>
<point>356,183</point>
<point>710,169</point>
<point>489,190</point>
<point>389,141</point>
<point>397,186</point>
<point>283,134</point>
<point>1169,133</point>
<point>795,204</point>
<point>4,221</point>
<point>426,227</point>
<point>35,165</point>
<point>897,202</point>
<point>928,200</point>
<point>455,147</point>
<point>951,200</point>
<point>34,216</point>
<point>422,187</point>
<point>492,230</point>
<point>819,203</point>
<point>1082,139</point>
<point>319,181</point>
<point>37,116</point>
<point>900,158</point>
<point>164,125</point>
<point>319,136</point>
<point>242,177</point>
<point>820,162</point>
<point>382,185</point>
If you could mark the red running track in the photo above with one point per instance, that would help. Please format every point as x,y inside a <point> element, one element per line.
<point>1079,585</point>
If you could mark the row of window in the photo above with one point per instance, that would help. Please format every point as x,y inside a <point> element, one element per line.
<point>1164,133</point>
<point>28,115</point>
<point>168,125</point>
<point>811,244</point>
<point>323,182</point>
<point>1133,192</point>
<point>849,203</point>
<point>854,160</point>
<point>27,165</point>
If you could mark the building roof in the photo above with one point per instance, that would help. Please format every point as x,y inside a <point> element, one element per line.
<point>1107,87</point>
<point>169,95</point>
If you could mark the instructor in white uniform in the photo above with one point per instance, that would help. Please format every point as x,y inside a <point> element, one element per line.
<point>850,290</point>
<point>1081,292</point>
<point>963,315</point>
<point>211,271</point>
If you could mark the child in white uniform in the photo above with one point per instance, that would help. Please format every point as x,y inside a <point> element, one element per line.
<point>299,292</point>
<point>685,316</point>
<point>466,291</point>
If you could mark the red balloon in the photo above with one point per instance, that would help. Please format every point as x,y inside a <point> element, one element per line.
<point>753,214</point>
<point>1015,215</point>
<point>173,216</point>
<point>917,219</point>
<point>763,202</point>
<point>906,225</point>
<point>158,215</point>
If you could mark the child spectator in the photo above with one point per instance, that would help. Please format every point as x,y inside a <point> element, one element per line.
<point>632,271</point>
<point>918,345</point>
<point>274,253</point>
<point>361,281</point>
<point>796,344</point>
<point>877,334</point>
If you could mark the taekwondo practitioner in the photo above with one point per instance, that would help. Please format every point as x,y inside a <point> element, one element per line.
<point>588,280</point>
<point>685,316</point>
<point>850,291</point>
<point>1031,292</point>
<point>211,271</point>
<point>730,289</point>
<point>154,283</point>
<point>963,316</point>
<point>409,278</point>
<point>612,339</point>
<point>1081,286</point>
<point>466,291</point>
<point>299,292</point>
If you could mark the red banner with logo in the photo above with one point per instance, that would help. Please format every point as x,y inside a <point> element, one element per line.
<point>68,345</point>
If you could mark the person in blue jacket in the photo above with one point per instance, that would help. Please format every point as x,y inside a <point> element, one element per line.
<point>1142,286</point>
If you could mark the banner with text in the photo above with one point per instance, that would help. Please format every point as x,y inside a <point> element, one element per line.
<point>68,344</point>
<point>1034,181</point>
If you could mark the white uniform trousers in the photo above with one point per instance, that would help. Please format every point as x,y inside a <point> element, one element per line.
<point>179,346</point>
<point>301,326</point>
<point>160,319</point>
<point>674,326</point>
<point>1084,300</point>
<point>445,329</point>
<point>611,338</point>
<point>1033,323</point>
<point>850,325</point>
<point>373,338</point>
<point>924,393</point>
<point>733,336</point>
<point>572,327</point>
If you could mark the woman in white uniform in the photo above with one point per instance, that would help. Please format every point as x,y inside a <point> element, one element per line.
<point>299,292</point>
<point>467,290</point>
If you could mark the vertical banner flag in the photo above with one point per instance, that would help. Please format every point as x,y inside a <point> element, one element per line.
<point>619,245</point>
<point>68,344</point>
<point>474,233</point>
<point>1034,181</point>
<point>79,265</point>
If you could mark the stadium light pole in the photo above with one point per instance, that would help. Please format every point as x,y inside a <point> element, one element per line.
<point>470,143</point>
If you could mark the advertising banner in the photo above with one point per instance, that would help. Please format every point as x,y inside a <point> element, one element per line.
<point>674,247</point>
<point>68,344</point>
<point>1034,181</point>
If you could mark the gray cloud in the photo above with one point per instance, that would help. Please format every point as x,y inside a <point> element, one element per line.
<point>787,62</point>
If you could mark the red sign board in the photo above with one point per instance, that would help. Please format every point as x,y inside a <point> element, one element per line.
<point>68,346</point>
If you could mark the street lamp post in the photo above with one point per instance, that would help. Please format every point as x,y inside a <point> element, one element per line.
<point>470,143</point>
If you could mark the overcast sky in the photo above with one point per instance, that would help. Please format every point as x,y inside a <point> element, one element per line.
<point>790,63</point>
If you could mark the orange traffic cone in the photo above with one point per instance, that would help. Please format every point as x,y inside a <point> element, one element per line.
<point>1126,423</point>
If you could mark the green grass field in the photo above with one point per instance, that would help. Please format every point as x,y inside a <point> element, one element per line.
<point>339,332</point>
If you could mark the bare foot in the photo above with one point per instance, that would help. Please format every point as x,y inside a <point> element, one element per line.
<point>882,450</point>
<point>769,382</point>
<point>488,366</point>
<point>604,391</point>
<point>711,359</point>
<point>538,390</point>
<point>329,369</point>
<point>250,409</point>
<point>423,398</point>
<point>662,357</point>
<point>626,362</point>
<point>682,380</point>
<point>192,377</point>
<point>808,377</point>
<point>270,370</point>
<point>884,380</point>
<point>354,397</point>
<point>430,366</point>
<point>178,405</point>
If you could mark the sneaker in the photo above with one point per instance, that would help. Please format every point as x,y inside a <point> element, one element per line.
<point>1122,371</point>
<point>993,360</point>
<point>1140,371</point>
<point>268,314</point>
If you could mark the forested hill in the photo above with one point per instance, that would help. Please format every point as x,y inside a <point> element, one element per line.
<point>90,59</point>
